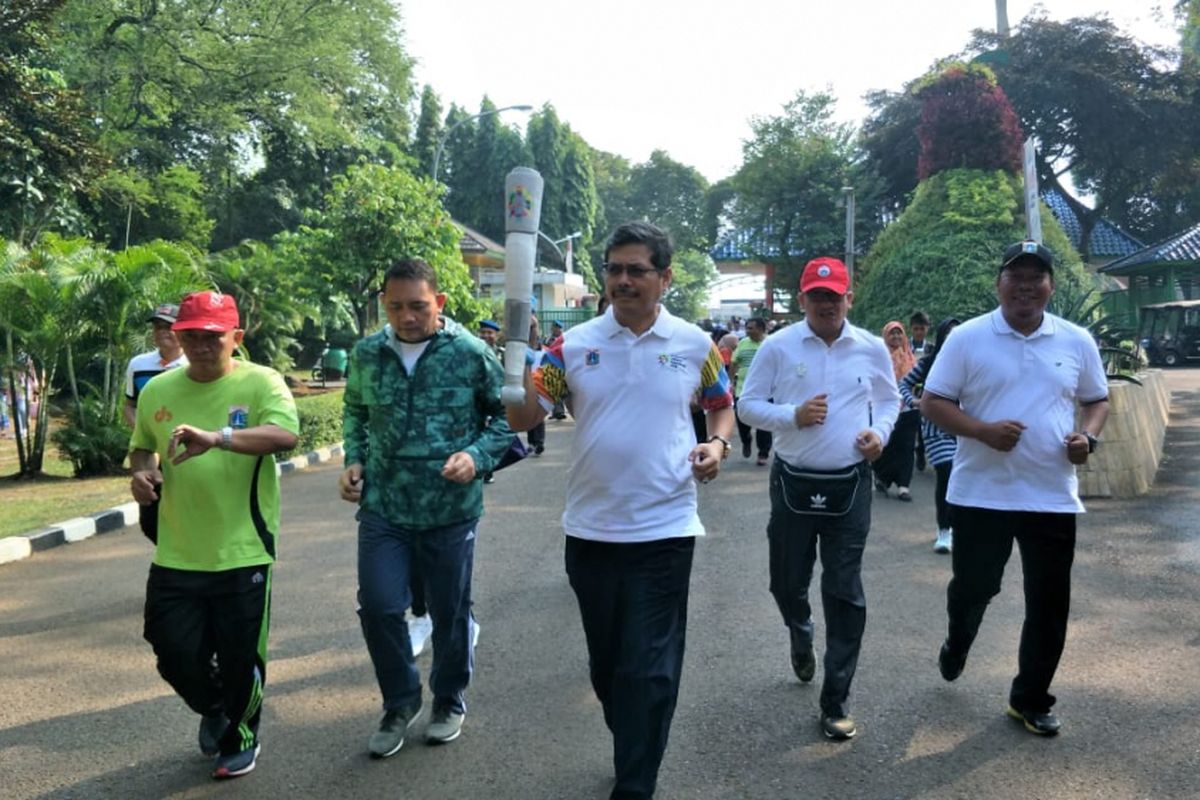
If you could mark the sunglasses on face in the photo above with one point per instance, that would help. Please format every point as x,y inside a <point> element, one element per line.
<point>634,271</point>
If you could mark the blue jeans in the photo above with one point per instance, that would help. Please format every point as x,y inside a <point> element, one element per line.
<point>445,556</point>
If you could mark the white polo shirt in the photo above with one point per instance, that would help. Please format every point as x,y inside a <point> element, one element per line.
<point>996,373</point>
<point>794,365</point>
<point>630,478</point>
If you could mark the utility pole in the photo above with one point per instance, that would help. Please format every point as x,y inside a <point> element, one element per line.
<point>848,192</point>
<point>1002,18</point>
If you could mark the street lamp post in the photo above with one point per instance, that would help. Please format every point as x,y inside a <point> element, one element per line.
<point>437,154</point>
<point>556,242</point>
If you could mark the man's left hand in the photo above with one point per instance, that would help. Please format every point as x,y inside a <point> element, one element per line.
<point>189,442</point>
<point>706,460</point>
<point>459,468</point>
<point>869,444</point>
<point>1077,448</point>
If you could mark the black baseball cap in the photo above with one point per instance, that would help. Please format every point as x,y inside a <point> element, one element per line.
<point>1028,249</point>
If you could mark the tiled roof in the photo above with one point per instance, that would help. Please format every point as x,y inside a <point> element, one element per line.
<point>1181,248</point>
<point>1107,240</point>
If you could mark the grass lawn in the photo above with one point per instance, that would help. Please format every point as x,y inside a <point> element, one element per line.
<point>32,504</point>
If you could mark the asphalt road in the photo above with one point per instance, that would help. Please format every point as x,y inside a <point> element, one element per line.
<point>83,713</point>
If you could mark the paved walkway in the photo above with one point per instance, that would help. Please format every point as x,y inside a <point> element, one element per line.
<point>83,714</point>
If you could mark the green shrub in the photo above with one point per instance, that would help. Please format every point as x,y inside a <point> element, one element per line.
<point>92,441</point>
<point>943,253</point>
<point>320,422</point>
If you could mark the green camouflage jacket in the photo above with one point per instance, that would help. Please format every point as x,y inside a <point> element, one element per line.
<point>403,427</point>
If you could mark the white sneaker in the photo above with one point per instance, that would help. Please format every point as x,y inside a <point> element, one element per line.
<point>945,541</point>
<point>419,631</point>
<point>474,633</point>
<point>893,491</point>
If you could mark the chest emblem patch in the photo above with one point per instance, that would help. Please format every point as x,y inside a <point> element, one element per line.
<point>672,362</point>
<point>801,369</point>
<point>592,358</point>
<point>239,416</point>
<point>163,415</point>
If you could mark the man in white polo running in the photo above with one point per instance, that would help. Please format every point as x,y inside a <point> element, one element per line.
<point>630,517</point>
<point>1007,383</point>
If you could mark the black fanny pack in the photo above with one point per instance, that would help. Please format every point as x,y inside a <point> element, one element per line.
<point>818,493</point>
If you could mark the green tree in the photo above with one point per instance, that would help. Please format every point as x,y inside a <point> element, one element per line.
<point>219,87</point>
<point>789,187</point>
<point>692,272</point>
<point>673,196</point>
<point>428,131</point>
<point>273,299</point>
<point>131,208</point>
<point>373,216</point>
<point>47,153</point>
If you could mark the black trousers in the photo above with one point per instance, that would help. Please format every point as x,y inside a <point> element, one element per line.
<point>537,435</point>
<point>896,463</point>
<point>983,540</point>
<point>942,472</point>
<point>794,540</point>
<point>192,616</point>
<point>633,602</point>
<point>762,438</point>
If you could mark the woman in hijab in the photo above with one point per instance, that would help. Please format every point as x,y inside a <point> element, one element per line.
<point>939,445</point>
<point>894,469</point>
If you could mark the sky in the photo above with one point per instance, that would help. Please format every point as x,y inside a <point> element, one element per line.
<point>686,76</point>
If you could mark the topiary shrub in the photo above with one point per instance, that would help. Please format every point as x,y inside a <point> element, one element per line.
<point>943,253</point>
<point>320,422</point>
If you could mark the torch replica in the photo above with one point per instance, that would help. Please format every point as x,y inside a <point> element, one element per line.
<point>523,195</point>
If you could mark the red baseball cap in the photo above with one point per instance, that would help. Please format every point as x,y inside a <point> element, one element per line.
<point>207,311</point>
<point>825,273</point>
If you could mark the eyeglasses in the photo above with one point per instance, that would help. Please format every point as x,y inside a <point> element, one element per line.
<point>634,271</point>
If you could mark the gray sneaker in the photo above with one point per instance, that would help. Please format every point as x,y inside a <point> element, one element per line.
<point>236,765</point>
<point>388,740</point>
<point>211,730</point>
<point>838,728</point>
<point>445,726</point>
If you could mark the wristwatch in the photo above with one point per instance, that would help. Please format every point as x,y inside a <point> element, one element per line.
<point>226,437</point>
<point>1093,442</point>
<point>723,441</point>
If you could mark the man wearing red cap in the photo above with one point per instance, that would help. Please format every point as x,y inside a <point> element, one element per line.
<point>825,388</point>
<point>204,441</point>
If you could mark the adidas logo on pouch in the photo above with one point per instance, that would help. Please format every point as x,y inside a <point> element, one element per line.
<point>816,501</point>
<point>257,578</point>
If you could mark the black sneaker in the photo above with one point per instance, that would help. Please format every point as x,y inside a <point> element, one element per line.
<point>1040,723</point>
<point>950,663</point>
<point>804,663</point>
<point>388,740</point>
<point>745,449</point>
<point>236,765</point>
<point>211,730</point>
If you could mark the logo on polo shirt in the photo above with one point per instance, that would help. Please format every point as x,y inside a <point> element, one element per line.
<point>817,501</point>
<point>239,417</point>
<point>592,358</point>
<point>163,415</point>
<point>672,362</point>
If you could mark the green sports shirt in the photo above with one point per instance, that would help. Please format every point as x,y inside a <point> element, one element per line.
<point>220,510</point>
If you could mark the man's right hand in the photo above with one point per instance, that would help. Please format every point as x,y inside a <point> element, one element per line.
<point>144,485</point>
<point>1002,435</point>
<point>350,483</point>
<point>812,411</point>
